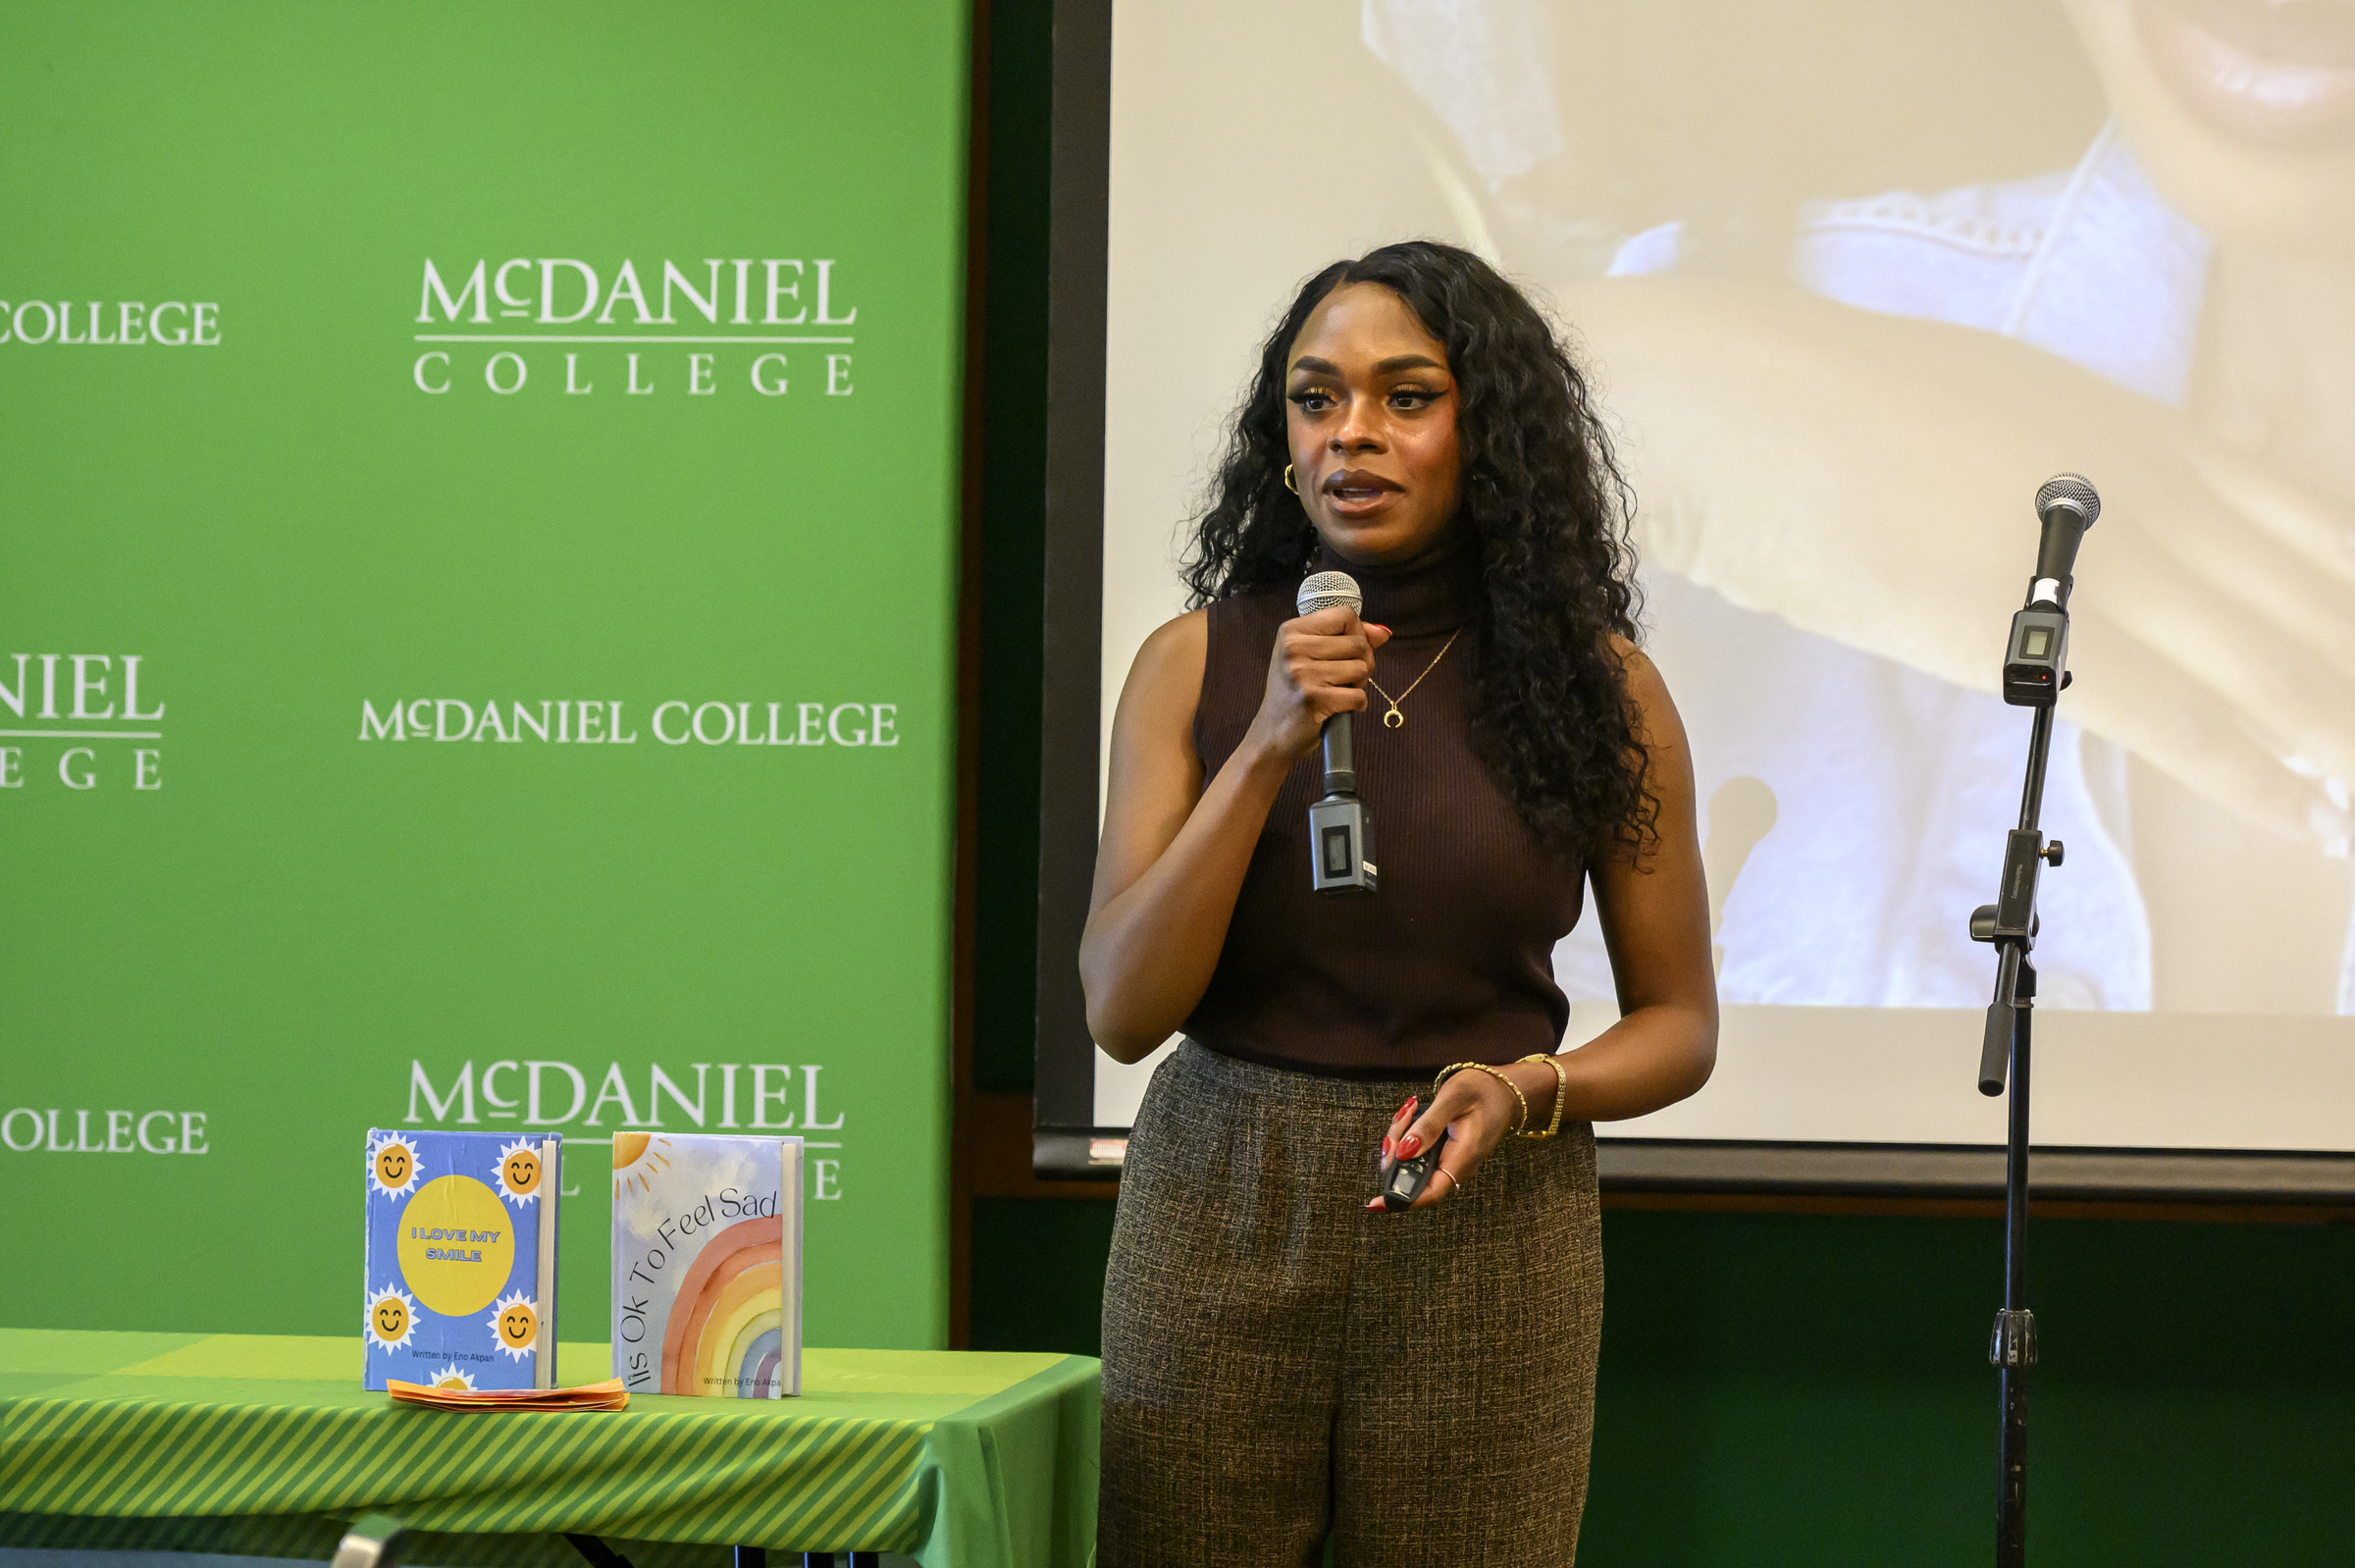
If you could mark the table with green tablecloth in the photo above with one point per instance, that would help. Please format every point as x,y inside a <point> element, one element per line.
<point>268,1445</point>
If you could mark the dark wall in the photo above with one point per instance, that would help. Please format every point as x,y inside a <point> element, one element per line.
<point>1775,1388</point>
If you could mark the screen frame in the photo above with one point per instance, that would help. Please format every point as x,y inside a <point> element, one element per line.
<point>1066,1142</point>
<point>1071,715</point>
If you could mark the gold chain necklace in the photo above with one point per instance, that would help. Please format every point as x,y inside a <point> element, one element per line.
<point>1394,719</point>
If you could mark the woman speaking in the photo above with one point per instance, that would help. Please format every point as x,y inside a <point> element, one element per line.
<point>1284,1358</point>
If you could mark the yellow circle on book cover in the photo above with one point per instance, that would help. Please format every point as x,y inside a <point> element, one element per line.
<point>456,1245</point>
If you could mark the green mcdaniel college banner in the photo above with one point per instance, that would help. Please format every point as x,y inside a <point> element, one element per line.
<point>476,550</point>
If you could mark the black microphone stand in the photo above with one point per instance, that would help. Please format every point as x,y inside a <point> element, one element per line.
<point>2011,924</point>
<point>2035,671</point>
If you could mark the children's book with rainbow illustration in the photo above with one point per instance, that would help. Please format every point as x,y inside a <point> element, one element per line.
<point>708,1263</point>
<point>461,1259</point>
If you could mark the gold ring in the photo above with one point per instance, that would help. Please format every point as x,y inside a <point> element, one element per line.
<point>1454,1181</point>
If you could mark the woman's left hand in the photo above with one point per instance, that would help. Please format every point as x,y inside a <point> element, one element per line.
<point>1477,1112</point>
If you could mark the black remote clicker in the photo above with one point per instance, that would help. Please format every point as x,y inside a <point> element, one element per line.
<point>1403,1181</point>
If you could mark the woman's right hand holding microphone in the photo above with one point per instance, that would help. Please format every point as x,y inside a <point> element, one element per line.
<point>1318,668</point>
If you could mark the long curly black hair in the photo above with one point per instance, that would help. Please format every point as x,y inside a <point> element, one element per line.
<point>1543,502</point>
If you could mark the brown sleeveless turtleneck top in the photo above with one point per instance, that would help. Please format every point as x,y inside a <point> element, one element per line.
<point>1453,960</point>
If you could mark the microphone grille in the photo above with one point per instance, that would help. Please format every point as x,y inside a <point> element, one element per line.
<point>2074,490</point>
<point>1329,590</point>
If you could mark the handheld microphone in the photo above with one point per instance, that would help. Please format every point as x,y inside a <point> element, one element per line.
<point>1340,830</point>
<point>2067,505</point>
<point>2036,659</point>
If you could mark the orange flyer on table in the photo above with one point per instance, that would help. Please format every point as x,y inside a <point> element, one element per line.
<point>607,1396</point>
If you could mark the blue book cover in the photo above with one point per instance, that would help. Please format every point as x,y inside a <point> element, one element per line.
<point>461,1259</point>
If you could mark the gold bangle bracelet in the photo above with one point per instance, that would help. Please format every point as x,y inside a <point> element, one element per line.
<point>1453,1068</point>
<point>1561,1091</point>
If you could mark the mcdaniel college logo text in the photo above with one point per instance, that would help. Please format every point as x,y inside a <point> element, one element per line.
<point>557,325</point>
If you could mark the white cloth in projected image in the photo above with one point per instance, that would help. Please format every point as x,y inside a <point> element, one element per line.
<point>1888,790</point>
<point>1894,789</point>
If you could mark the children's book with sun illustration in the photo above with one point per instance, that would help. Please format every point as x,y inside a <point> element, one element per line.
<point>461,1259</point>
<point>708,1263</point>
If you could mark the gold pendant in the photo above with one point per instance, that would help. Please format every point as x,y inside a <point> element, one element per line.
<point>1394,719</point>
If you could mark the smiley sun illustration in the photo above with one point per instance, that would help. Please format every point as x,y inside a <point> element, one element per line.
<point>452,1378</point>
<point>519,1171</point>
<point>516,1324</point>
<point>392,1317</point>
<point>391,1165</point>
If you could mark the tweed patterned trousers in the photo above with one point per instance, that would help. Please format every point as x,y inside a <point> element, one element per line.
<point>1280,1363</point>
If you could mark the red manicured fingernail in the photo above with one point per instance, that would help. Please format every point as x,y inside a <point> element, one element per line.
<point>1385,1144</point>
<point>1373,1203</point>
<point>1378,626</point>
<point>1409,1144</point>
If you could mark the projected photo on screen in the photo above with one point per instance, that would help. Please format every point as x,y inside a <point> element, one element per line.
<point>1851,280</point>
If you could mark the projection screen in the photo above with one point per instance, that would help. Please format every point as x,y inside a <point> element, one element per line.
<point>1853,278</point>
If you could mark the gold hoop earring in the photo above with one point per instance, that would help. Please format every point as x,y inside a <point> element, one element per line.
<point>1287,480</point>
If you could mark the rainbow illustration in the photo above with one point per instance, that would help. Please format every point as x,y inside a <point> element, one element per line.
<point>726,1332</point>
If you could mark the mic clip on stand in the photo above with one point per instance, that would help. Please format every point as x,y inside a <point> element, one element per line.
<point>2035,671</point>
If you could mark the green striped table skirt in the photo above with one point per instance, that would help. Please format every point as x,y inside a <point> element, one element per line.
<point>267,1445</point>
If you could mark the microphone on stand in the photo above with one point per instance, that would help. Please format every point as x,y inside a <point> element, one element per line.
<point>2035,664</point>
<point>1340,830</point>
<point>2067,505</point>
<point>2035,669</point>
